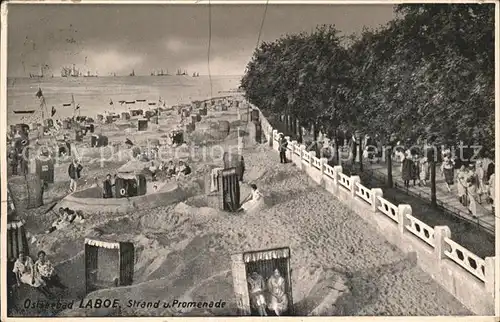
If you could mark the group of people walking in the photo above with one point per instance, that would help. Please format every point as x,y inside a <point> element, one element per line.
<point>475,181</point>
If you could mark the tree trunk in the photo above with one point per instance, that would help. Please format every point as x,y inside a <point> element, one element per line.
<point>299,132</point>
<point>360,152</point>
<point>390,182</point>
<point>432,163</point>
<point>294,119</point>
<point>315,138</point>
<point>337,153</point>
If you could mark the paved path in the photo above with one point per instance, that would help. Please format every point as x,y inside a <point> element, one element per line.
<point>448,201</point>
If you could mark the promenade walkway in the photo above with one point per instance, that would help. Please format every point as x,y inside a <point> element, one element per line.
<point>447,201</point>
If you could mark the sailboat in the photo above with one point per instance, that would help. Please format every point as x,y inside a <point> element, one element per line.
<point>39,75</point>
<point>161,73</point>
<point>90,75</point>
<point>132,73</point>
<point>196,74</point>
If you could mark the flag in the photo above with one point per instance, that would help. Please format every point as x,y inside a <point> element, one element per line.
<point>53,112</point>
<point>39,93</point>
<point>77,106</point>
<point>110,101</point>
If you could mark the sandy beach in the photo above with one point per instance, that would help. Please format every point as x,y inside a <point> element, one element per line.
<point>183,249</point>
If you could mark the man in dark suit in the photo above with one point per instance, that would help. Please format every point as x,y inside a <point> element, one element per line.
<point>74,171</point>
<point>283,143</point>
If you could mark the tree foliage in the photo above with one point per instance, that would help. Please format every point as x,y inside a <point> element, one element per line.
<point>428,74</point>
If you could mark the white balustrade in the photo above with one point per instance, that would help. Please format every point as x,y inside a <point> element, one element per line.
<point>329,171</point>
<point>345,181</point>
<point>289,146</point>
<point>420,229</point>
<point>463,257</point>
<point>364,193</point>
<point>316,162</point>
<point>452,250</point>
<point>306,156</point>
<point>388,208</point>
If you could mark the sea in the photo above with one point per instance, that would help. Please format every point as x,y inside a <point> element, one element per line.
<point>96,95</point>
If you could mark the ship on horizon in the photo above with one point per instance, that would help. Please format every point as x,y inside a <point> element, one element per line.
<point>70,71</point>
<point>132,74</point>
<point>181,73</point>
<point>41,75</point>
<point>160,73</point>
<point>91,75</point>
<point>196,74</point>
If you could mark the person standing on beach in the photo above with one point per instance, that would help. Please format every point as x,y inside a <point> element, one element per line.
<point>242,168</point>
<point>107,187</point>
<point>74,171</point>
<point>283,143</point>
<point>14,160</point>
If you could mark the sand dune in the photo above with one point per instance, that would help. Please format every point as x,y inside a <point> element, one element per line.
<point>340,265</point>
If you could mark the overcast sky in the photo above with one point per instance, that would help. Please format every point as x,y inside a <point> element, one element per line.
<point>119,38</point>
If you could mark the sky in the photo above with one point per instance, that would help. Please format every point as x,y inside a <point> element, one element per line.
<point>120,38</point>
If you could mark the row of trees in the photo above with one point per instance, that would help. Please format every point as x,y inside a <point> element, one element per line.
<point>427,75</point>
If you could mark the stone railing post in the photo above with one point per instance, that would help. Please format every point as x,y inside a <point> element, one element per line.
<point>403,210</point>
<point>375,193</point>
<point>274,135</point>
<point>287,138</point>
<point>336,170</point>
<point>294,147</point>
<point>440,233</point>
<point>323,163</point>
<point>270,136</point>
<point>302,151</point>
<point>354,185</point>
<point>489,275</point>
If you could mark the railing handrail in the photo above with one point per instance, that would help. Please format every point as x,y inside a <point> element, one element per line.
<point>392,211</point>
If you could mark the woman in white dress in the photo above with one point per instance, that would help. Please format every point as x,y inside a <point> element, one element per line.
<point>471,189</point>
<point>423,171</point>
<point>461,185</point>
<point>278,298</point>
<point>253,200</point>
<point>481,187</point>
<point>257,299</point>
<point>24,270</point>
